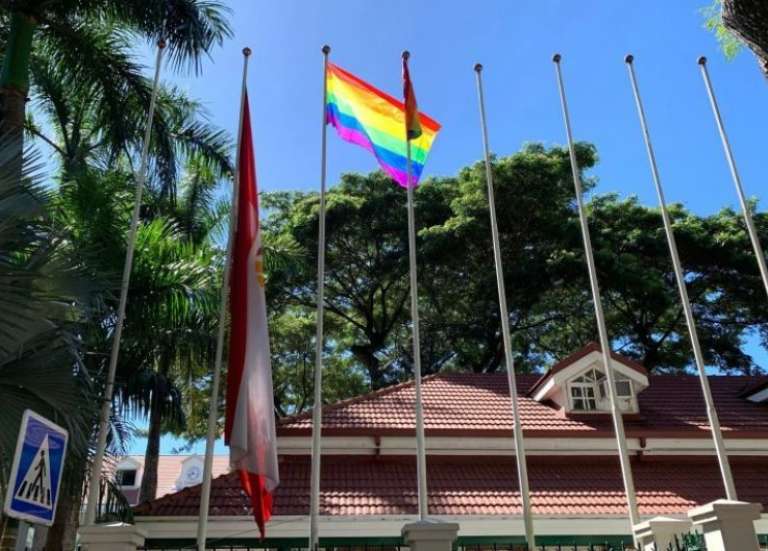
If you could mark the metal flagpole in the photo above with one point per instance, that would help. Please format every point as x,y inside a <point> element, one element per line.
<point>421,456</point>
<point>605,344</point>
<point>714,422</point>
<point>213,411</point>
<point>735,175</point>
<point>106,405</point>
<point>317,409</point>
<point>522,468</point>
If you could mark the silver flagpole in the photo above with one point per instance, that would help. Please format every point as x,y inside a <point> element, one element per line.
<point>213,411</point>
<point>522,469</point>
<point>735,175</point>
<point>421,456</point>
<point>605,344</point>
<point>317,409</point>
<point>109,388</point>
<point>714,422</point>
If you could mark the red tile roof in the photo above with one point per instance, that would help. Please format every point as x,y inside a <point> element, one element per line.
<point>478,404</point>
<point>386,485</point>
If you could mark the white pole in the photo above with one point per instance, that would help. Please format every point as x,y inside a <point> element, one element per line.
<point>421,456</point>
<point>106,405</point>
<point>714,422</point>
<point>317,409</point>
<point>213,411</point>
<point>605,344</point>
<point>735,175</point>
<point>522,469</point>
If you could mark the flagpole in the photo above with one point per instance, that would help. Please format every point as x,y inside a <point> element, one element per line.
<point>213,408</point>
<point>522,469</point>
<point>748,221</point>
<point>714,422</point>
<point>106,405</point>
<point>317,408</point>
<point>605,344</point>
<point>421,457</point>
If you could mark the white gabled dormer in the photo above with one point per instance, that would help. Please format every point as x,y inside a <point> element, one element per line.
<point>578,384</point>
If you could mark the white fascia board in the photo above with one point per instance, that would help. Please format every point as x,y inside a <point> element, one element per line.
<point>444,445</point>
<point>682,446</point>
<point>391,526</point>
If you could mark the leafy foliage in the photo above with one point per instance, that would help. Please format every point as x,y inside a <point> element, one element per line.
<point>713,22</point>
<point>548,293</point>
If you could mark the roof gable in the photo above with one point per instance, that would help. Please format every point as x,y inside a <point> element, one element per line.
<point>620,362</point>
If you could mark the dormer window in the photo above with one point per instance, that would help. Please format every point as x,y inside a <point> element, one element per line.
<point>589,392</point>
<point>578,383</point>
<point>584,391</point>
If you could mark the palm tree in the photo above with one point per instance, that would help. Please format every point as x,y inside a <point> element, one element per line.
<point>41,361</point>
<point>169,334</point>
<point>64,29</point>
<point>93,126</point>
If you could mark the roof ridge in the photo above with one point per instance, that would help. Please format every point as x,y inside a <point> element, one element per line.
<point>355,399</point>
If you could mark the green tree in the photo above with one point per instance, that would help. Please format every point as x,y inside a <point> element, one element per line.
<point>43,306</point>
<point>64,29</point>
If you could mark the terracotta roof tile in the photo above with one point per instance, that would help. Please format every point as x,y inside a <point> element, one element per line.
<point>467,402</point>
<point>364,485</point>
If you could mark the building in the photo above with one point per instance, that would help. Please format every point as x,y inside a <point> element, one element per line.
<point>368,483</point>
<point>174,473</point>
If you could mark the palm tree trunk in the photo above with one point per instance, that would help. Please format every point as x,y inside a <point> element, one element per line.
<point>14,79</point>
<point>9,528</point>
<point>151,457</point>
<point>62,536</point>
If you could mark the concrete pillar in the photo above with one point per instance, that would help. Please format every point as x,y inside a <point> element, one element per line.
<point>116,536</point>
<point>430,535</point>
<point>657,533</point>
<point>728,525</point>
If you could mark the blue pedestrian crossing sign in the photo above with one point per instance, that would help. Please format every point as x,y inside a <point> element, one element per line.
<point>37,467</point>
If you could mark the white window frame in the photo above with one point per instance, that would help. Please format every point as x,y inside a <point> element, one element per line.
<point>596,380</point>
<point>583,387</point>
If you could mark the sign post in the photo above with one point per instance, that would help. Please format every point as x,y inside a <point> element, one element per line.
<point>33,487</point>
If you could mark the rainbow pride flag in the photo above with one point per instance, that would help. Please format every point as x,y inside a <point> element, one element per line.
<point>368,117</point>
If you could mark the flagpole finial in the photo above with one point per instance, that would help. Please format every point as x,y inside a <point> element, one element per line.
<point>629,58</point>
<point>246,51</point>
<point>326,49</point>
<point>556,58</point>
<point>702,60</point>
<point>161,43</point>
<point>478,67</point>
<point>406,55</point>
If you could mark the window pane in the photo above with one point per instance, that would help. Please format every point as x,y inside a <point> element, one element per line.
<point>126,477</point>
<point>623,388</point>
<point>578,403</point>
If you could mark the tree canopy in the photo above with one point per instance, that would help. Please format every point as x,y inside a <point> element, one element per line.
<point>549,301</point>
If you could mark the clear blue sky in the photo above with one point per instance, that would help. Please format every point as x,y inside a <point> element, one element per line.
<point>515,42</point>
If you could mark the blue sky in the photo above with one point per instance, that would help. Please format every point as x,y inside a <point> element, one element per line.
<point>515,42</point>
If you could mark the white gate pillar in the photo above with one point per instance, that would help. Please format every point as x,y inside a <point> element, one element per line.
<point>426,535</point>
<point>728,525</point>
<point>659,532</point>
<point>116,536</point>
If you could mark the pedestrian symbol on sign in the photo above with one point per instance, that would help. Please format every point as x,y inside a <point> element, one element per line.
<point>36,486</point>
<point>37,468</point>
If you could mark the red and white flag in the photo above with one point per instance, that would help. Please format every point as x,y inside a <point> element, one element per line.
<point>250,422</point>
